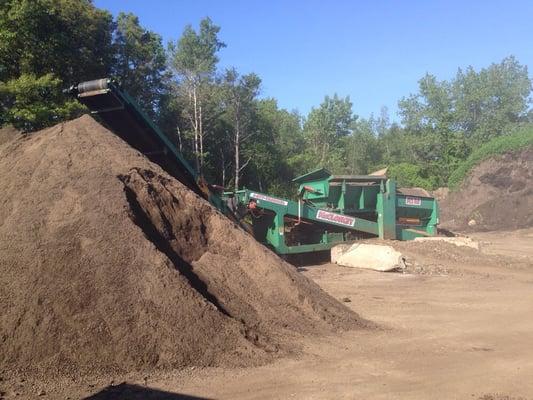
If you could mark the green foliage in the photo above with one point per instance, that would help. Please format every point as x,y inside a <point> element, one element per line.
<point>45,45</point>
<point>411,175</point>
<point>240,91</point>
<point>193,59</point>
<point>140,63</point>
<point>240,105</point>
<point>450,118</point>
<point>488,102</point>
<point>361,148</point>
<point>521,138</point>
<point>69,38</point>
<point>279,135</point>
<point>326,126</point>
<point>52,44</point>
<point>479,105</point>
<point>31,102</point>
<point>194,55</point>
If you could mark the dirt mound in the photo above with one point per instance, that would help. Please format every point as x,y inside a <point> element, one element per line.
<point>109,264</point>
<point>496,195</point>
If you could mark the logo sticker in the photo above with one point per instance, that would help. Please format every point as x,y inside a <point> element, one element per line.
<point>269,199</point>
<point>413,201</point>
<point>337,218</point>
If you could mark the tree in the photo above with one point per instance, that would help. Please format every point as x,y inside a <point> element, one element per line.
<point>32,103</point>
<point>488,102</point>
<point>68,38</point>
<point>277,138</point>
<point>325,126</point>
<point>381,124</point>
<point>449,119</point>
<point>140,63</point>
<point>240,94</point>
<point>46,45</point>
<point>412,175</point>
<point>219,160</point>
<point>194,58</point>
<point>395,145</point>
<point>286,126</point>
<point>429,121</point>
<point>361,148</point>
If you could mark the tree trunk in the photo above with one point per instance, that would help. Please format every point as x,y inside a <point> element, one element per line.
<point>195,127</point>
<point>223,158</point>
<point>325,148</point>
<point>180,145</point>
<point>237,160</point>
<point>201,138</point>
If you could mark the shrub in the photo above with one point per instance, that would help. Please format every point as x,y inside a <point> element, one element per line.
<point>31,103</point>
<point>409,175</point>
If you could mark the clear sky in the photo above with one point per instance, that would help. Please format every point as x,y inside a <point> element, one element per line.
<point>373,51</point>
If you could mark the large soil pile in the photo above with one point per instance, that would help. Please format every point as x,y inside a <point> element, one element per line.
<point>496,195</point>
<point>109,264</point>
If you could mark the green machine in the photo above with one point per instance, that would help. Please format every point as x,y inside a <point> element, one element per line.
<point>332,209</point>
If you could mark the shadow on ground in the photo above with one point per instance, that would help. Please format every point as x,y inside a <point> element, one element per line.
<point>308,259</point>
<point>125,391</point>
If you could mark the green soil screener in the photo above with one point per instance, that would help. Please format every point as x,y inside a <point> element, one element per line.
<point>332,209</point>
<point>328,209</point>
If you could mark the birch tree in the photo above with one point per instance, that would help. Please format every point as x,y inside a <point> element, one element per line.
<point>240,106</point>
<point>194,59</point>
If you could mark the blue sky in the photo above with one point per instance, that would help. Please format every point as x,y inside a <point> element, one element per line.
<point>373,51</point>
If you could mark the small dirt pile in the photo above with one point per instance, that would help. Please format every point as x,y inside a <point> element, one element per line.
<point>496,195</point>
<point>109,264</point>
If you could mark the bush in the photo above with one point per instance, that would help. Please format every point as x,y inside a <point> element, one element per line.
<point>521,138</point>
<point>411,175</point>
<point>31,103</point>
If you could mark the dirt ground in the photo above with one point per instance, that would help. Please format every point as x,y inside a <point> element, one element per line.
<point>460,328</point>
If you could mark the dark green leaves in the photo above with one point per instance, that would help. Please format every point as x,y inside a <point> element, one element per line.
<point>31,102</point>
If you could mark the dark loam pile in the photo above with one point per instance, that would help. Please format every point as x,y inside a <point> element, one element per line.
<point>496,195</point>
<point>109,264</point>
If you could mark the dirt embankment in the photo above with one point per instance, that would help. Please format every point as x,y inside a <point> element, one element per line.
<point>109,264</point>
<point>496,195</point>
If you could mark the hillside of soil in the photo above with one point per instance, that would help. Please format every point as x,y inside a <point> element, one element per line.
<point>496,195</point>
<point>109,264</point>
